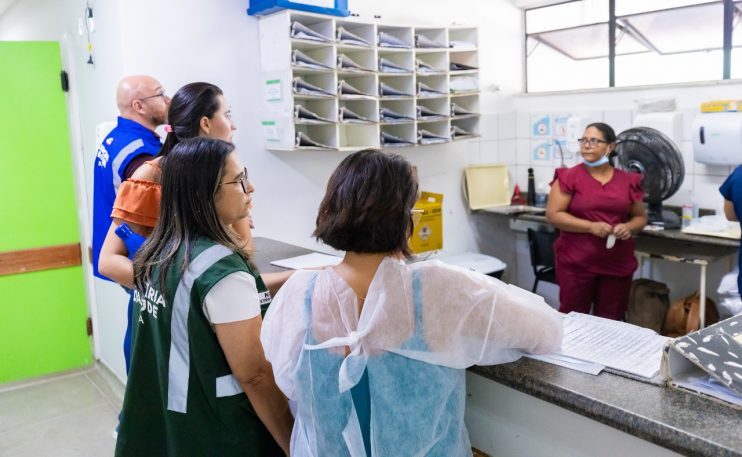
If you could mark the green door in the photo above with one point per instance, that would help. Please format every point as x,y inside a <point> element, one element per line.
<point>43,312</point>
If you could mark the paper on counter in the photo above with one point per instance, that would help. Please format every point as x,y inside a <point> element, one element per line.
<point>303,114</point>
<point>385,90</point>
<point>387,66</point>
<point>428,137</point>
<point>387,115</point>
<point>299,30</point>
<point>346,37</point>
<point>387,40</point>
<point>313,260</point>
<point>619,345</point>
<point>568,362</point>
<point>421,41</point>
<point>303,140</point>
<point>305,88</point>
<point>347,64</point>
<point>300,59</point>
<point>389,140</point>
<point>348,116</point>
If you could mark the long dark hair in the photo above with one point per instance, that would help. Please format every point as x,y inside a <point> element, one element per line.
<point>190,180</point>
<point>368,203</point>
<point>191,103</point>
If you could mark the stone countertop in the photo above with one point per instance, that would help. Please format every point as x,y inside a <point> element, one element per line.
<point>679,420</point>
<point>672,418</point>
<point>676,235</point>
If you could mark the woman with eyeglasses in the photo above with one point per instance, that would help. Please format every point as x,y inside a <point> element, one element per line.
<point>372,352</point>
<point>199,384</point>
<point>597,209</point>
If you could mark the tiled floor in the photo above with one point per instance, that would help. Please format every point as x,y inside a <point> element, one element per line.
<point>64,416</point>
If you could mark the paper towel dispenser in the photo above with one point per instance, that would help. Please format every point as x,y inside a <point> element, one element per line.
<point>717,138</point>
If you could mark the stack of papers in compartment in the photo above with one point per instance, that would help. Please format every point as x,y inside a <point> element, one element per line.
<point>421,41</point>
<point>347,90</point>
<point>347,116</point>
<point>392,141</point>
<point>304,141</point>
<point>459,132</point>
<point>385,90</point>
<point>423,67</point>
<point>301,31</point>
<point>387,66</point>
<point>388,115</point>
<point>457,110</point>
<point>303,114</point>
<point>345,63</point>
<point>387,40</point>
<point>428,137</point>
<point>300,59</point>
<point>302,87</point>
<point>425,113</point>
<point>345,37</point>
<point>455,66</point>
<point>423,90</point>
<point>463,84</point>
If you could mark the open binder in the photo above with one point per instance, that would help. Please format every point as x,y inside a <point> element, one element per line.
<point>708,361</point>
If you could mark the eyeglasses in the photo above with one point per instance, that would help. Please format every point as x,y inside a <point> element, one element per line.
<point>417,214</point>
<point>243,181</point>
<point>161,94</point>
<point>591,141</point>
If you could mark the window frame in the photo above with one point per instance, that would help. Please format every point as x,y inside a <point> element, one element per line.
<point>728,14</point>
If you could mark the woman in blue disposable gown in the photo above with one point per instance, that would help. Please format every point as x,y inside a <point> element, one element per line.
<point>372,352</point>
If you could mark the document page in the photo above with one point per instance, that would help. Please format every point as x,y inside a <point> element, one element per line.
<point>618,345</point>
<point>313,260</point>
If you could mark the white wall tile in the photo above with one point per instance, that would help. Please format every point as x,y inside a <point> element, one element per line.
<point>523,129</point>
<point>688,115</point>
<point>686,149</point>
<point>488,126</point>
<point>506,125</point>
<point>706,192</point>
<point>620,120</point>
<point>489,151</point>
<point>523,151</point>
<point>473,153</point>
<point>507,151</point>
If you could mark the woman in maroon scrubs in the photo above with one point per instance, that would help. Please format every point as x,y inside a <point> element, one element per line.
<point>597,209</point>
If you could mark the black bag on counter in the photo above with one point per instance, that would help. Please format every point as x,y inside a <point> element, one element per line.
<point>648,304</point>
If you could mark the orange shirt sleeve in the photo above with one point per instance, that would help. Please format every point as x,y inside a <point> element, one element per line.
<point>138,202</point>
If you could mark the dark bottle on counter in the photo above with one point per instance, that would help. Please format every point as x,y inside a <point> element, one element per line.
<point>531,196</point>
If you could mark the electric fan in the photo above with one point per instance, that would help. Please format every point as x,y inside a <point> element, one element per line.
<point>651,153</point>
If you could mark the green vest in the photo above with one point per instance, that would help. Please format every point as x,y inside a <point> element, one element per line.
<point>181,398</point>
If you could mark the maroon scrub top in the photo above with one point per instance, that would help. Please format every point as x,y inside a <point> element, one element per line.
<point>593,201</point>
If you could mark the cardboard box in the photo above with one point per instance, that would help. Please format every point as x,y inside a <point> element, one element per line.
<point>427,235</point>
<point>719,106</point>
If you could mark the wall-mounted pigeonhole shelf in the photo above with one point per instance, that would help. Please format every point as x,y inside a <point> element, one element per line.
<point>348,84</point>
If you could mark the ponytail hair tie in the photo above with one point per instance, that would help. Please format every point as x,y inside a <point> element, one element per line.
<point>168,128</point>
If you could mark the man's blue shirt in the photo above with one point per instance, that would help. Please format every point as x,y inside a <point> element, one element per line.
<point>126,141</point>
<point>732,190</point>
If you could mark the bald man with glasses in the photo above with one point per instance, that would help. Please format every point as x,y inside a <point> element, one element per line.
<point>143,105</point>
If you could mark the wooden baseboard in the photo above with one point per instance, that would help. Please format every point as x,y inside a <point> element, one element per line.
<point>37,259</point>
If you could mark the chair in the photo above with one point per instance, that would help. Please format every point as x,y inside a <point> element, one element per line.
<point>542,256</point>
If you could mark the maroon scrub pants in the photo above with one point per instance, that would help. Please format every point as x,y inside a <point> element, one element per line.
<point>578,289</point>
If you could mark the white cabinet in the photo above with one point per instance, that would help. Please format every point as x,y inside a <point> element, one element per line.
<point>332,83</point>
